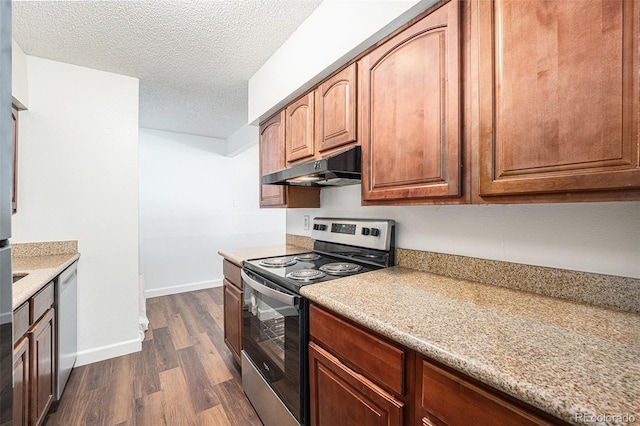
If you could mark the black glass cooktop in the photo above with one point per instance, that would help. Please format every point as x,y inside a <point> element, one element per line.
<point>306,269</point>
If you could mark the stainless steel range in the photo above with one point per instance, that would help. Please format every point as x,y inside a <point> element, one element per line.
<point>275,316</point>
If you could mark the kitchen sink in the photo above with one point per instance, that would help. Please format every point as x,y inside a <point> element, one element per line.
<point>18,277</point>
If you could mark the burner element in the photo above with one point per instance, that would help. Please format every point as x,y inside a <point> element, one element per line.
<point>305,274</point>
<point>277,262</point>
<point>340,268</point>
<point>307,256</point>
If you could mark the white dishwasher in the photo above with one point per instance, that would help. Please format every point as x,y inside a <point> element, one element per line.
<point>66,324</point>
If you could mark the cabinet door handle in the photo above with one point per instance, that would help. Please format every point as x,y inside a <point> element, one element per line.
<point>426,421</point>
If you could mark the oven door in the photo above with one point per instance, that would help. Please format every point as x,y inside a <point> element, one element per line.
<point>274,340</point>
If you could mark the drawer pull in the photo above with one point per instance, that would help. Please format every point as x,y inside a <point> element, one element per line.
<point>426,421</point>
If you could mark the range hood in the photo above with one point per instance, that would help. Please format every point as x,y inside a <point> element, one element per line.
<point>341,168</point>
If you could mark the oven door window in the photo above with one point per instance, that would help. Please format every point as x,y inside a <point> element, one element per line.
<point>271,339</point>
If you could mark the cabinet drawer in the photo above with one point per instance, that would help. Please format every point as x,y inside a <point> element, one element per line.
<point>336,390</point>
<point>20,321</point>
<point>367,354</point>
<point>447,398</point>
<point>42,301</point>
<point>232,273</point>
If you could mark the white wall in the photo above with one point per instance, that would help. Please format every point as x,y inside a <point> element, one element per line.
<point>195,201</point>
<point>78,180</point>
<point>19,87</point>
<point>336,32</point>
<point>592,237</point>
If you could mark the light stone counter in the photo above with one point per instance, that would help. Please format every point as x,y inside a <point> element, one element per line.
<point>563,357</point>
<point>42,262</point>
<point>238,256</point>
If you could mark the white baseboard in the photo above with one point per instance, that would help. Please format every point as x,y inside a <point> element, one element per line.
<point>89,356</point>
<point>182,288</point>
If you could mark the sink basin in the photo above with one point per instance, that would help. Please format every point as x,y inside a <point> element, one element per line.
<point>18,277</point>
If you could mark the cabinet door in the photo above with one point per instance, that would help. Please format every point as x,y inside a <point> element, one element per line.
<point>42,366</point>
<point>300,119</point>
<point>21,383</point>
<point>272,159</point>
<point>445,398</point>
<point>340,396</point>
<point>558,89</point>
<point>233,319</point>
<point>410,111</point>
<point>336,110</point>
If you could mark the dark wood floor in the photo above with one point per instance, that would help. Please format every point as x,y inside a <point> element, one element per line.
<point>185,375</point>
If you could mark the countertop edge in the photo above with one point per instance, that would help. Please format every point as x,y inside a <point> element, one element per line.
<point>48,274</point>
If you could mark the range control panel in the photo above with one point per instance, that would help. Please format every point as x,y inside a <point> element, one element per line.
<point>369,233</point>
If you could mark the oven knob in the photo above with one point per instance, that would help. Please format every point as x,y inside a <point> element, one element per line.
<point>316,227</point>
<point>375,232</point>
<point>322,227</point>
<point>365,231</point>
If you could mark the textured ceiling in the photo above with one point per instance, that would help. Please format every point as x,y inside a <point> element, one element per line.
<point>193,57</point>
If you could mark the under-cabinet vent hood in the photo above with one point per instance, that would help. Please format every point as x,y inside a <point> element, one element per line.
<point>342,168</point>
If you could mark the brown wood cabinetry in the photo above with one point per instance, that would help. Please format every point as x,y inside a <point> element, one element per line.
<point>272,146</point>
<point>21,380</point>
<point>272,158</point>
<point>34,358</point>
<point>558,86</point>
<point>336,111</point>
<point>361,350</point>
<point>42,366</point>
<point>447,398</point>
<point>300,133</point>
<point>357,377</point>
<point>340,396</point>
<point>233,319</point>
<point>232,301</point>
<point>323,120</point>
<point>409,112</point>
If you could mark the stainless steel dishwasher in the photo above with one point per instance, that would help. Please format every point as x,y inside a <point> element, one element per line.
<point>67,320</point>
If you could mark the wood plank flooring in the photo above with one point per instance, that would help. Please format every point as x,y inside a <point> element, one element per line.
<point>185,375</point>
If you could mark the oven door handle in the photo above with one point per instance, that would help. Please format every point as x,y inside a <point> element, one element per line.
<point>290,300</point>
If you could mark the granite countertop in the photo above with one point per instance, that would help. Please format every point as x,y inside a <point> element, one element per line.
<point>238,256</point>
<point>42,262</point>
<point>566,358</point>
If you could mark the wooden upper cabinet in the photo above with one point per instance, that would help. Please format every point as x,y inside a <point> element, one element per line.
<point>558,90</point>
<point>410,111</point>
<point>300,119</point>
<point>336,110</point>
<point>272,157</point>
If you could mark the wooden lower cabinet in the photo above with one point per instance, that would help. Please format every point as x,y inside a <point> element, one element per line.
<point>447,398</point>
<point>340,396</point>
<point>42,374</point>
<point>34,358</point>
<point>233,319</point>
<point>21,382</point>
<point>351,383</point>
<point>232,307</point>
